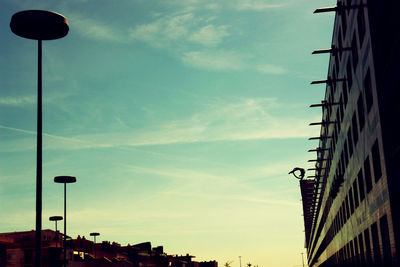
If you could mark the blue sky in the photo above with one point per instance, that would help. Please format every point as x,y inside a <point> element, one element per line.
<point>180,120</point>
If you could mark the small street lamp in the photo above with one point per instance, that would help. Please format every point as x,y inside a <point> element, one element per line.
<point>65,180</point>
<point>39,25</point>
<point>55,219</point>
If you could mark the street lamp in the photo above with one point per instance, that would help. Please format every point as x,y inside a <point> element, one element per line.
<point>94,235</point>
<point>65,180</point>
<point>39,25</point>
<point>55,219</point>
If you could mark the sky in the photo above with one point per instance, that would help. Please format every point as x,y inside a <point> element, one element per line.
<point>180,120</point>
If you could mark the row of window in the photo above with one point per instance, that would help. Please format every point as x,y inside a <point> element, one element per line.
<point>357,122</point>
<point>361,25</point>
<point>370,248</point>
<point>342,103</point>
<point>352,137</point>
<point>356,194</point>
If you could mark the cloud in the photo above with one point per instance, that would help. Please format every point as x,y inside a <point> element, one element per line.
<point>17,101</point>
<point>252,5</point>
<point>94,29</point>
<point>164,29</point>
<point>178,32</point>
<point>244,119</point>
<point>256,5</point>
<point>222,60</point>
<point>180,29</point>
<point>270,69</point>
<point>214,60</point>
<point>209,35</point>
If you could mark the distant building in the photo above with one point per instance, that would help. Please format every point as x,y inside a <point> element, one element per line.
<point>354,214</point>
<point>17,249</point>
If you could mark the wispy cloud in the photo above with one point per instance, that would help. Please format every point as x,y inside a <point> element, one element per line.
<point>257,5</point>
<point>214,60</point>
<point>271,69</point>
<point>210,35</point>
<point>17,101</point>
<point>252,5</point>
<point>180,29</point>
<point>244,119</point>
<point>196,40</point>
<point>223,60</point>
<point>95,29</point>
<point>164,30</point>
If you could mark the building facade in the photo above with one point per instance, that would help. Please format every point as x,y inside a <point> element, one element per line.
<point>17,249</point>
<point>355,212</point>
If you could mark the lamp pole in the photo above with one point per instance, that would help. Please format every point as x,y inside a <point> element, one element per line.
<point>39,25</point>
<point>94,235</point>
<point>55,219</point>
<point>65,180</point>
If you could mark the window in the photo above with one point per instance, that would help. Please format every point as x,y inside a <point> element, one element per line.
<point>367,173</point>
<point>338,123</point>
<point>361,185</point>
<point>348,4</point>
<point>345,94</point>
<point>334,78</point>
<point>376,161</point>
<point>346,156</point>
<point>368,252</point>
<point>355,191</point>
<point>375,244</point>
<point>361,246</point>
<point>352,251</point>
<point>354,51</point>
<point>334,138</point>
<point>387,256</point>
<point>341,217</point>
<point>350,142</point>
<point>28,256</point>
<point>361,115</point>
<point>361,25</point>
<point>341,108</point>
<point>344,22</point>
<point>355,128</point>
<point>344,212</point>
<point>343,162</point>
<point>351,202</point>
<point>356,253</point>
<point>349,75</point>
<point>347,207</point>
<point>336,56</point>
<point>368,91</point>
<point>340,43</point>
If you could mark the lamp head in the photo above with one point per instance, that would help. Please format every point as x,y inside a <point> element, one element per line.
<point>64,179</point>
<point>39,25</point>
<point>55,218</point>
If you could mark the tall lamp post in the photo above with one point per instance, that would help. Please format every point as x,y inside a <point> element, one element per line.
<point>65,180</point>
<point>39,25</point>
<point>55,219</point>
<point>94,235</point>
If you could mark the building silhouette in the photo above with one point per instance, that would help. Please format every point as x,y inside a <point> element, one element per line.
<point>17,249</point>
<point>352,208</point>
